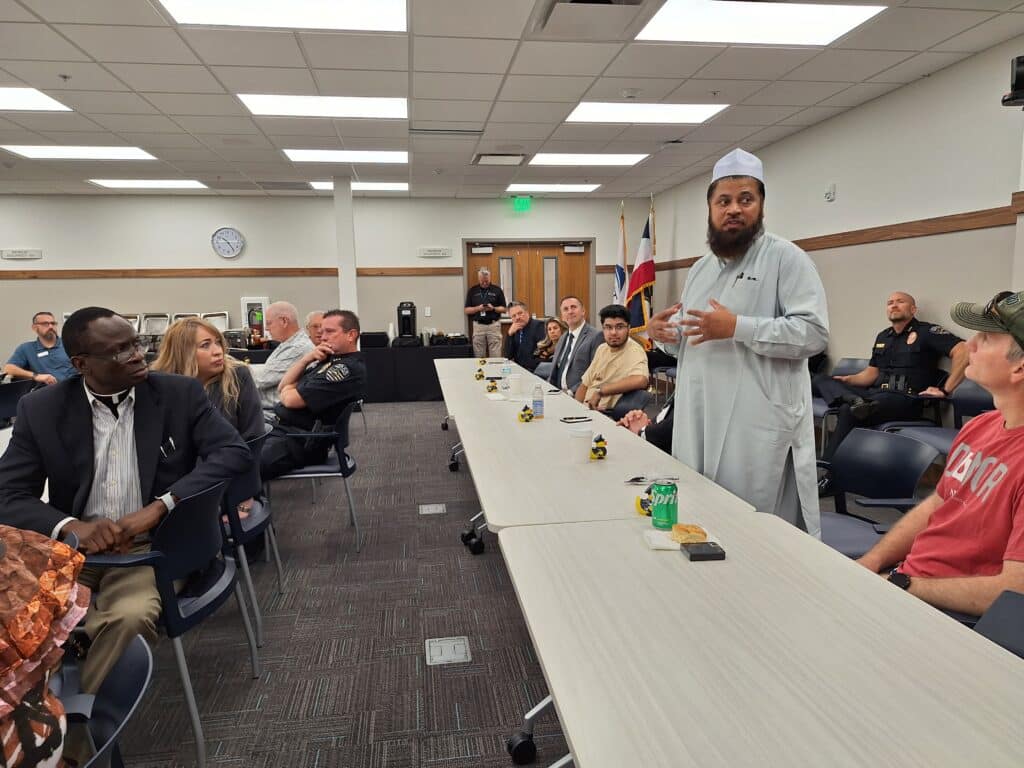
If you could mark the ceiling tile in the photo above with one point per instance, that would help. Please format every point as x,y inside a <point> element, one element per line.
<point>219,141</point>
<point>911,29</point>
<point>89,139</point>
<point>660,60</point>
<point>450,111</point>
<point>695,91</point>
<point>587,132</point>
<point>376,143</point>
<point>189,155</point>
<point>266,80</point>
<point>297,126</point>
<point>919,66</point>
<point>507,146</point>
<point>457,54</point>
<point>385,129</point>
<point>795,93</point>
<point>151,45</point>
<point>97,12</point>
<point>137,123</point>
<point>584,147</point>
<point>196,104</point>
<point>543,58</point>
<point>655,133</point>
<point>969,5</point>
<point>11,11</point>
<point>471,18</point>
<point>160,140</point>
<point>858,94</point>
<point>774,133</point>
<point>986,34</point>
<point>446,85</point>
<point>739,62</point>
<point>170,78</point>
<point>7,126</point>
<point>217,124</point>
<point>540,88</point>
<point>46,75</point>
<point>104,102</point>
<point>337,51</point>
<point>448,125</point>
<point>846,66</point>
<point>314,142</point>
<point>7,79</point>
<point>247,47</point>
<point>53,121</point>
<point>510,131</point>
<point>812,115</point>
<point>721,133</point>
<point>355,82</point>
<point>641,88</point>
<point>754,115</point>
<point>36,42</point>
<point>550,112</point>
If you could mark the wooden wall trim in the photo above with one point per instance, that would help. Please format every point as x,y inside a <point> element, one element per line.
<point>108,274</point>
<point>1017,203</point>
<point>659,266</point>
<point>409,272</point>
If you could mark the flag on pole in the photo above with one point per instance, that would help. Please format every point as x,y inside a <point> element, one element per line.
<point>641,284</point>
<point>619,293</point>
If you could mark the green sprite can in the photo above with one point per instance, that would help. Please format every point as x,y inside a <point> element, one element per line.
<point>664,504</point>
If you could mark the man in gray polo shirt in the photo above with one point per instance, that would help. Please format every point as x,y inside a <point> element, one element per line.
<point>283,324</point>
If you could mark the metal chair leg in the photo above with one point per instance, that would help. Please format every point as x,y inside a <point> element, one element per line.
<point>190,702</point>
<point>271,535</point>
<point>243,563</point>
<point>362,410</point>
<point>563,762</point>
<point>266,546</point>
<point>352,514</point>
<point>314,491</point>
<point>254,657</point>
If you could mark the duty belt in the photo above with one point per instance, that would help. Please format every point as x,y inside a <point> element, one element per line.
<point>895,382</point>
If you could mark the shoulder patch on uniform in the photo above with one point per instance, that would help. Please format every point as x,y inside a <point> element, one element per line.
<point>938,330</point>
<point>337,372</point>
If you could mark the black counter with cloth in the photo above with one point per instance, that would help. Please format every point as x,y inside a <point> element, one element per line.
<point>407,374</point>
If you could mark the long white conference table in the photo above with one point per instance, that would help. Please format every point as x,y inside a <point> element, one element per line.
<point>784,654</point>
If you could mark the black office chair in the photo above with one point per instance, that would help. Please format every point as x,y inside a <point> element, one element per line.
<point>187,545</point>
<point>337,464</point>
<point>238,531</point>
<point>1003,622</point>
<point>883,469</point>
<point>116,702</point>
<point>968,399</point>
<point>847,366</point>
<point>10,394</point>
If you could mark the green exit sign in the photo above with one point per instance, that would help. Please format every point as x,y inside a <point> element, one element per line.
<point>521,204</point>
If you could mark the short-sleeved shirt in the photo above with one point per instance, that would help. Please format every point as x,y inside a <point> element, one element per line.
<point>610,365</point>
<point>981,520</point>
<point>33,356</point>
<point>326,387</point>
<point>914,354</point>
<point>492,295</point>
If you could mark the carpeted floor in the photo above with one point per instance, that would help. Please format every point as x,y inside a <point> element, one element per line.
<point>345,682</point>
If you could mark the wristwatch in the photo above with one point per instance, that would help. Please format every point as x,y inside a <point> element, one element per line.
<point>901,580</point>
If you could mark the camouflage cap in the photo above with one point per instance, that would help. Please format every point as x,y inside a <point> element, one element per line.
<point>1003,314</point>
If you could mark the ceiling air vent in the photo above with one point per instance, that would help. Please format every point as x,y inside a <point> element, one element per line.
<point>590,19</point>
<point>284,186</point>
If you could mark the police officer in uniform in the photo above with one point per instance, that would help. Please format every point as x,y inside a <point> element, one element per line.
<point>312,394</point>
<point>485,303</point>
<point>904,368</point>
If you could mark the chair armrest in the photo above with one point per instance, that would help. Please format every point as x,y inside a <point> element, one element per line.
<point>332,435</point>
<point>922,423</point>
<point>881,528</point>
<point>78,707</point>
<point>123,561</point>
<point>823,464</point>
<point>900,504</point>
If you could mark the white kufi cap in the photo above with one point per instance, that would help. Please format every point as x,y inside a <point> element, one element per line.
<point>738,163</point>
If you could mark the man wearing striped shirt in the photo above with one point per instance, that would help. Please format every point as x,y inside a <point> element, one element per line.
<point>119,447</point>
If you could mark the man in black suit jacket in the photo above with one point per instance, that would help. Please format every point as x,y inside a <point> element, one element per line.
<point>152,430</point>
<point>576,348</point>
<point>524,335</point>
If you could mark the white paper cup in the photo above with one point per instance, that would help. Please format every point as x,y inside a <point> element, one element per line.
<point>580,436</point>
<point>515,383</point>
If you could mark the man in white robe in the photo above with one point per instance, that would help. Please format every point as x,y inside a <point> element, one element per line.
<point>752,311</point>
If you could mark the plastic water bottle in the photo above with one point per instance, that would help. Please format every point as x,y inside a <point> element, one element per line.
<point>506,371</point>
<point>538,402</point>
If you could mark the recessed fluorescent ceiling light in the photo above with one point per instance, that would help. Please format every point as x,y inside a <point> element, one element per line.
<point>28,99</point>
<point>345,156</point>
<point>619,112</point>
<point>325,106</point>
<point>148,183</point>
<point>363,15</point>
<point>581,159</point>
<point>552,187</point>
<point>714,21</point>
<point>53,152</point>
<point>365,186</point>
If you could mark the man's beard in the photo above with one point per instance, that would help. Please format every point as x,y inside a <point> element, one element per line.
<point>732,245</point>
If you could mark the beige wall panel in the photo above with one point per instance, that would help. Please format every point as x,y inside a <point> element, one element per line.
<point>379,297</point>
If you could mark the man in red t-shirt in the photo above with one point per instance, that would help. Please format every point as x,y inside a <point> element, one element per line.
<point>964,545</point>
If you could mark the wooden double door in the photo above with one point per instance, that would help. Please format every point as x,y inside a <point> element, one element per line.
<point>537,274</point>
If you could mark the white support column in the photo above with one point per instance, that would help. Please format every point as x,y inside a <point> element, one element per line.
<point>345,243</point>
<point>1017,267</point>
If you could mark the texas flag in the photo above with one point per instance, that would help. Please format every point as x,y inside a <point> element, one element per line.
<point>641,285</point>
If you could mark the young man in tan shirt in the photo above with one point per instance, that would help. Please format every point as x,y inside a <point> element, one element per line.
<point>618,375</point>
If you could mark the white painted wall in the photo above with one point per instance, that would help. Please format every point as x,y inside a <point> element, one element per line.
<point>939,146</point>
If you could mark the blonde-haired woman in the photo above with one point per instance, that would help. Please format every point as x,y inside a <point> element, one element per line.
<point>194,347</point>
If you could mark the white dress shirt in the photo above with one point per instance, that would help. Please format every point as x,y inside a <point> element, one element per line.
<point>572,341</point>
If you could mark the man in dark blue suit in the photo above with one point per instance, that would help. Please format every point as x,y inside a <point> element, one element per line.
<point>524,335</point>
<point>119,447</point>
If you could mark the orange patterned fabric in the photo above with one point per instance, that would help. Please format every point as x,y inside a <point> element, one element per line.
<point>40,604</point>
